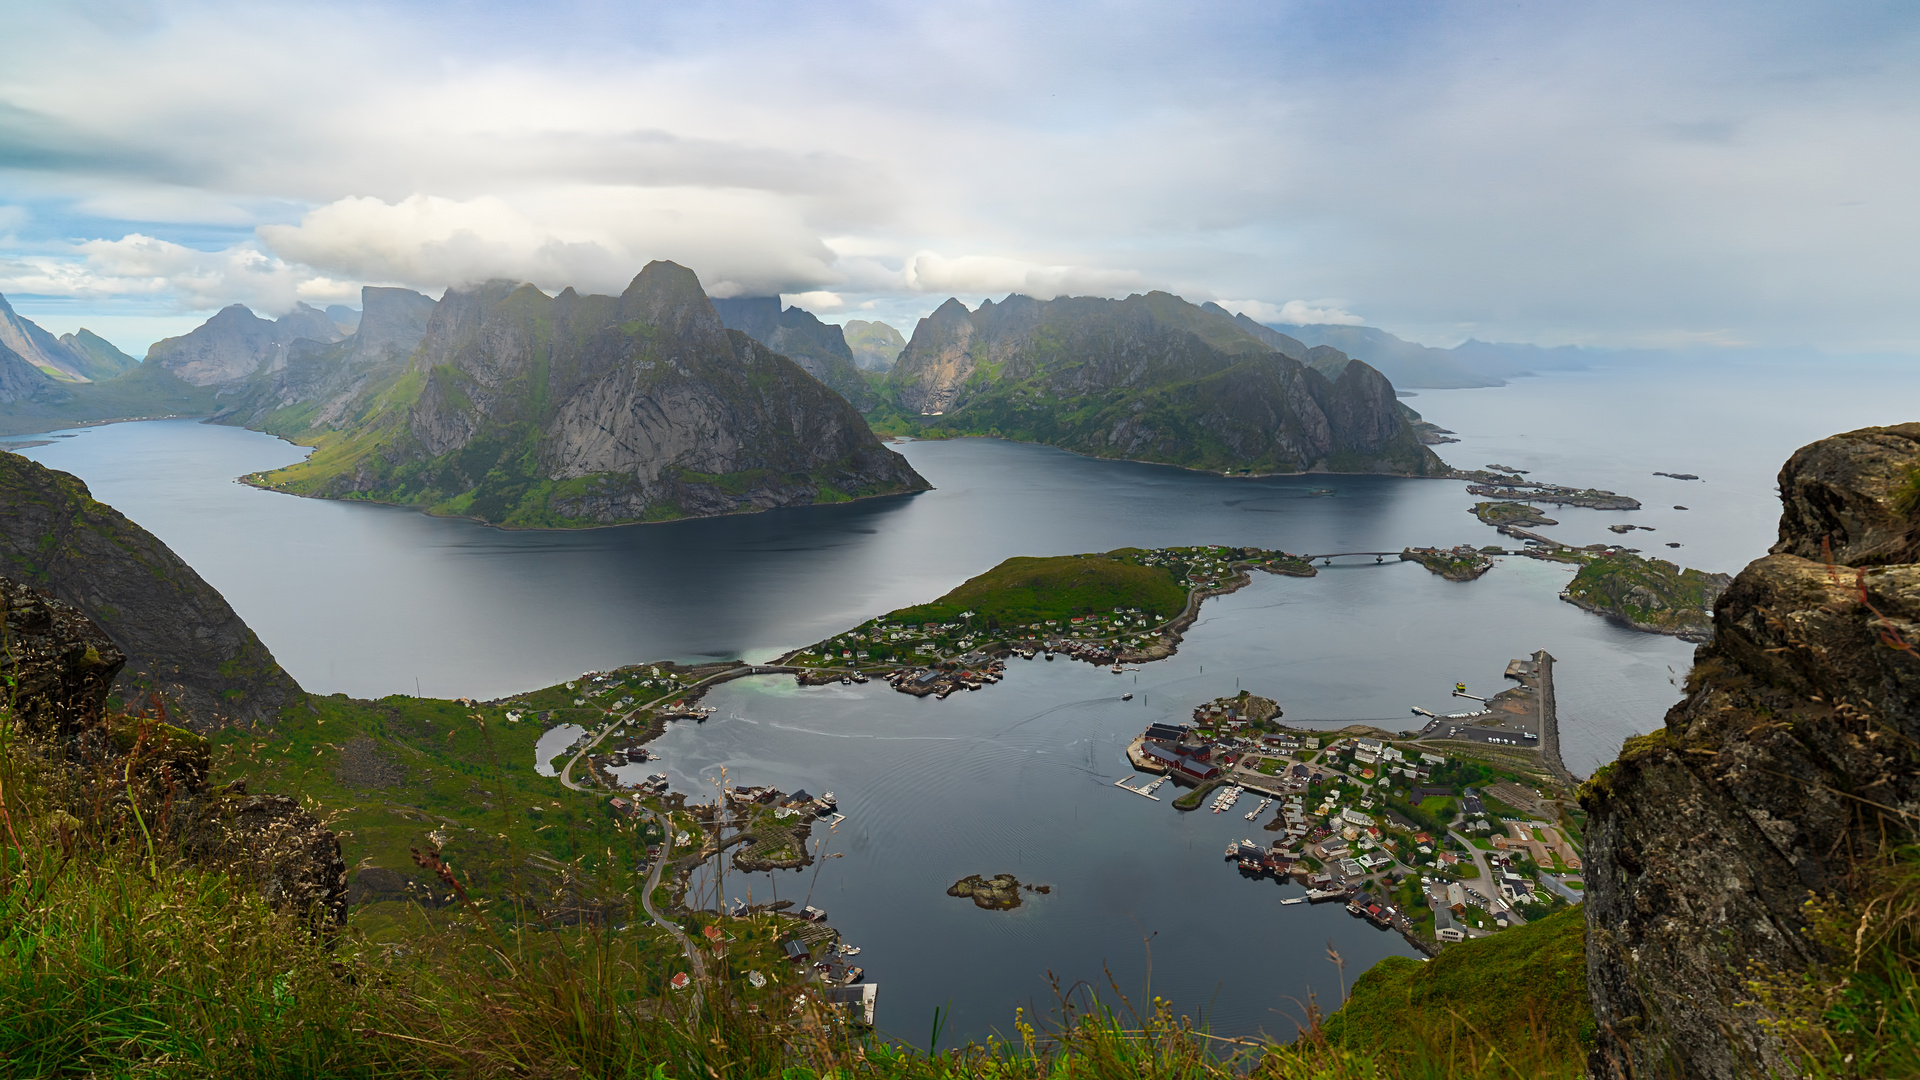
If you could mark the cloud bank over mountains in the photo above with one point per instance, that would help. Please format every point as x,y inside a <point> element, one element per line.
<point>1613,173</point>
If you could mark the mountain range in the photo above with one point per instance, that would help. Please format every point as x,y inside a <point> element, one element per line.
<point>1151,378</point>
<point>522,409</point>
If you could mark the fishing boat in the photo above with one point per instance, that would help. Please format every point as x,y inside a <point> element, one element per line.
<point>1117,669</point>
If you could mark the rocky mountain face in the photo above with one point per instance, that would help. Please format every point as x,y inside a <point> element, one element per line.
<point>314,386</point>
<point>802,338</point>
<point>235,343</point>
<point>875,345</point>
<point>528,410</point>
<point>1150,378</point>
<point>180,638</point>
<point>97,357</point>
<point>41,350</point>
<point>1794,757</point>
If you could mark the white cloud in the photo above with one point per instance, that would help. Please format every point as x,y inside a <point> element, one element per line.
<point>816,301</point>
<point>1294,312</point>
<point>594,238</point>
<point>927,272</point>
<point>1622,170</point>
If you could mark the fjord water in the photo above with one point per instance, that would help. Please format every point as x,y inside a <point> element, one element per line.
<point>1017,777</point>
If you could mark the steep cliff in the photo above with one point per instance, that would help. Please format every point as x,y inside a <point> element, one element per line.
<point>1150,378</point>
<point>180,638</point>
<point>42,350</point>
<point>1794,759</point>
<point>799,336</point>
<point>312,387</point>
<point>528,410</point>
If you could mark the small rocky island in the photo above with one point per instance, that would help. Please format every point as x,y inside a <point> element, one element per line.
<point>1511,513</point>
<point>1649,594</point>
<point>1460,563</point>
<point>1000,892</point>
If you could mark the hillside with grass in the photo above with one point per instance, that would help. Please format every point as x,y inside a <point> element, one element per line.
<point>1060,587</point>
<point>1520,994</point>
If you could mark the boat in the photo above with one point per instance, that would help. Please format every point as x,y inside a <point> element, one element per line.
<point>861,677</point>
<point>846,680</point>
<point>1049,654</point>
<point>827,801</point>
<point>849,950</point>
<point>1324,491</point>
<point>1128,696</point>
<point>1117,669</point>
<point>1294,900</point>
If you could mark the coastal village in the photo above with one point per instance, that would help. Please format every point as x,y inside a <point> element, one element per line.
<point>1457,828</point>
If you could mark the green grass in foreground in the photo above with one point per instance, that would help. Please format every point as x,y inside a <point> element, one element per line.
<point>1518,997</point>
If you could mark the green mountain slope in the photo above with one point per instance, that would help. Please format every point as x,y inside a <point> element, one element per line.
<point>875,345</point>
<point>527,410</point>
<point>1149,378</point>
<point>181,638</point>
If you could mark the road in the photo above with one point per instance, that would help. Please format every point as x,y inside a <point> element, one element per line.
<point>646,900</point>
<point>566,773</point>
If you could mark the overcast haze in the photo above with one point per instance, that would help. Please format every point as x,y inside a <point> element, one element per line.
<point>1593,173</point>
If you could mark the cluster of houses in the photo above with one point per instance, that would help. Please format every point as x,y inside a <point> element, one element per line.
<point>970,672</point>
<point>1179,752</point>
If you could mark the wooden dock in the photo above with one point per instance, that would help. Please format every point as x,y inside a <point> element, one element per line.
<point>1124,786</point>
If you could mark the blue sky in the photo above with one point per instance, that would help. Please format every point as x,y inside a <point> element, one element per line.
<point>1593,173</point>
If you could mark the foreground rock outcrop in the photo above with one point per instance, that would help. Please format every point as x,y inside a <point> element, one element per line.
<point>63,667</point>
<point>1794,757</point>
<point>180,638</point>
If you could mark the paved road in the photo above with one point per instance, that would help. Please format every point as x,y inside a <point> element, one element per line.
<point>646,900</point>
<point>566,774</point>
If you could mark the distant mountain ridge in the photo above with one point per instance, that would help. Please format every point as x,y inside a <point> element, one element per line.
<point>1414,366</point>
<point>1151,378</point>
<point>875,345</point>
<point>801,337</point>
<point>522,409</point>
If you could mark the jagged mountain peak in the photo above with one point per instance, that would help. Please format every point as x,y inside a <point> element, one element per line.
<point>668,295</point>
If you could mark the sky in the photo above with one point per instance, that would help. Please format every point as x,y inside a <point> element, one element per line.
<point>1695,175</point>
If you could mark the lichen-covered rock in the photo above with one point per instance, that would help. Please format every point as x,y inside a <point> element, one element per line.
<point>60,666</point>
<point>116,764</point>
<point>180,638</point>
<point>270,840</point>
<point>1854,498</point>
<point>1796,751</point>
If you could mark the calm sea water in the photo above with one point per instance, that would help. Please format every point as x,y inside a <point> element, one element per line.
<point>1017,778</point>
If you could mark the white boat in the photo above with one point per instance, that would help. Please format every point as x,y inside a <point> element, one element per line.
<point>1294,900</point>
<point>1128,696</point>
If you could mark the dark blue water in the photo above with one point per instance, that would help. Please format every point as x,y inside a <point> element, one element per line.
<point>1017,777</point>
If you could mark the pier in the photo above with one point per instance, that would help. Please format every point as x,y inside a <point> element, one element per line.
<point>1549,719</point>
